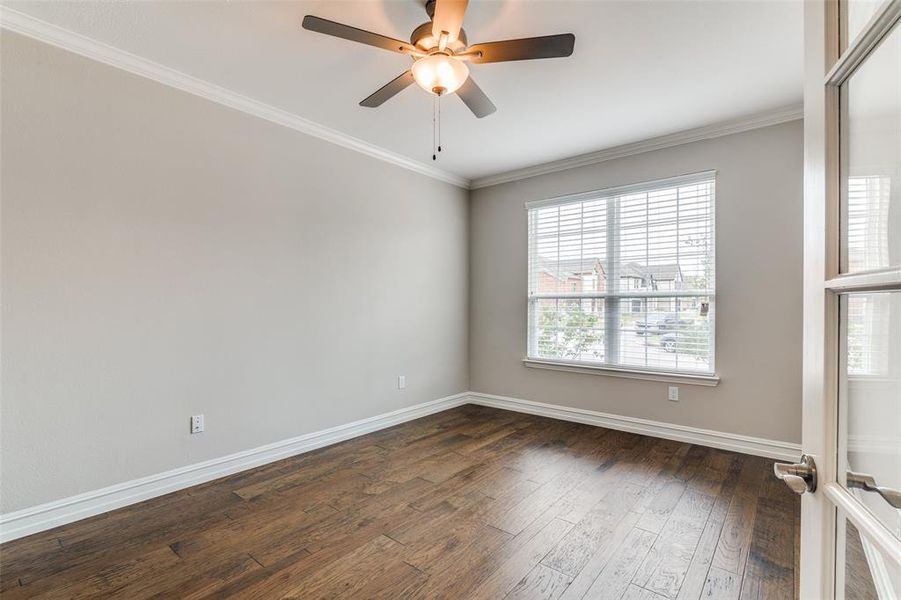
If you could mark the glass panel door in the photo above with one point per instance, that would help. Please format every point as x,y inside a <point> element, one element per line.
<point>869,464</point>
<point>871,160</point>
<point>866,574</point>
<point>865,486</point>
<point>857,14</point>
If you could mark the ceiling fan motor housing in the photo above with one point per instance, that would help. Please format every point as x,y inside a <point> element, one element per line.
<point>422,38</point>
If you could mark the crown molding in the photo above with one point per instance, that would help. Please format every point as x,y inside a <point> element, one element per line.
<point>24,24</point>
<point>755,121</point>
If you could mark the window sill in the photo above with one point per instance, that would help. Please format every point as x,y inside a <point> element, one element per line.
<point>700,379</point>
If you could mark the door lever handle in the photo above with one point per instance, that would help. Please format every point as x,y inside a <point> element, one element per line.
<point>800,477</point>
<point>867,483</point>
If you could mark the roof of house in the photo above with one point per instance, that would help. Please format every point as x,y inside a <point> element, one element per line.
<point>565,269</point>
<point>671,272</point>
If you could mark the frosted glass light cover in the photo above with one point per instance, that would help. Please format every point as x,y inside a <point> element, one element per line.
<point>440,74</point>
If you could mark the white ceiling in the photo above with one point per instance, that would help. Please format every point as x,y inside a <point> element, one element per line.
<point>640,69</point>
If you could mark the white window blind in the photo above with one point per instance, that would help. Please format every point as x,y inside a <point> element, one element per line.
<point>625,277</point>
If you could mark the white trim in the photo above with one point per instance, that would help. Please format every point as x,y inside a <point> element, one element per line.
<point>871,281</point>
<point>756,121</point>
<point>627,294</point>
<point>622,190</point>
<point>27,25</point>
<point>59,512</point>
<point>67,510</point>
<point>879,573</point>
<point>574,367</point>
<point>704,437</point>
<point>882,580</point>
<point>863,519</point>
<point>24,24</point>
<point>876,30</point>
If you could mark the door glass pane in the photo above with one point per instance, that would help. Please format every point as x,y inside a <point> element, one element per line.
<point>870,402</point>
<point>857,13</point>
<point>863,572</point>
<point>871,160</point>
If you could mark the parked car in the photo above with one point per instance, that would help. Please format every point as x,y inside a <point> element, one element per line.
<point>669,342</point>
<point>659,323</point>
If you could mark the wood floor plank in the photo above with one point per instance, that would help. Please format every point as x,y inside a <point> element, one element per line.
<point>666,565</point>
<point>616,576</point>
<point>770,567</point>
<point>602,555</point>
<point>436,520</point>
<point>576,549</point>
<point>109,581</point>
<point>473,502</point>
<point>636,593</point>
<point>696,576</point>
<point>376,565</point>
<point>721,585</point>
<point>519,516</point>
<point>196,581</point>
<point>662,506</point>
<point>343,462</point>
<point>506,577</point>
<point>455,573</point>
<point>735,541</point>
<point>541,583</point>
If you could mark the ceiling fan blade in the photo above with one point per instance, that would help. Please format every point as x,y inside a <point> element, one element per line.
<point>387,91</point>
<point>448,17</point>
<point>549,46</point>
<point>355,35</point>
<point>473,97</point>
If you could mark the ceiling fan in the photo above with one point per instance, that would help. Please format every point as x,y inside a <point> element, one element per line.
<point>440,53</point>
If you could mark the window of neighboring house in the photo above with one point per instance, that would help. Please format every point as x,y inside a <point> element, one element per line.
<point>660,232</point>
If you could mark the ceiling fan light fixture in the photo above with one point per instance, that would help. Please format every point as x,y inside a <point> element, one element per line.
<point>439,73</point>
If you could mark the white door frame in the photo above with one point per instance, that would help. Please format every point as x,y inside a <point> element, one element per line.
<point>826,67</point>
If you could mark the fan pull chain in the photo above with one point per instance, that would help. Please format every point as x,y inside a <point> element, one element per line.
<point>436,127</point>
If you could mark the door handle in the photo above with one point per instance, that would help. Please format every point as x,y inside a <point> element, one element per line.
<point>800,477</point>
<point>867,483</point>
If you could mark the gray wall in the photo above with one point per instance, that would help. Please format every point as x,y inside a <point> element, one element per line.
<point>758,275</point>
<point>165,256</point>
<point>278,283</point>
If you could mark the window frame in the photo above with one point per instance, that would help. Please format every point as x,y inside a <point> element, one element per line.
<point>707,378</point>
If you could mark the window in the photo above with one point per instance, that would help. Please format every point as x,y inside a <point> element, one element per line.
<point>645,257</point>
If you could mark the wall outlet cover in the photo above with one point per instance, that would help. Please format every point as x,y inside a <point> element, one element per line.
<point>197,424</point>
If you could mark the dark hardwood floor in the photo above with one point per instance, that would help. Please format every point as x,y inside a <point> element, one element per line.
<point>468,503</point>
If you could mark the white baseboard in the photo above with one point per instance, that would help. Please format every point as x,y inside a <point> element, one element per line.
<point>67,510</point>
<point>703,437</point>
<point>59,512</point>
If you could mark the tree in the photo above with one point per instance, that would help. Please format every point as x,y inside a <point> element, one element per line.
<point>569,331</point>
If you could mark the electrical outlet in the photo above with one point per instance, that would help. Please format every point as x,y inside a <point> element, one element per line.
<point>673,394</point>
<point>401,382</point>
<point>197,424</point>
